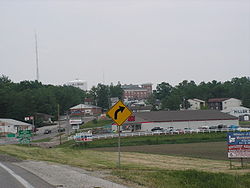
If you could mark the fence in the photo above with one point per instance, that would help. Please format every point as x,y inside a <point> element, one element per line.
<point>113,135</point>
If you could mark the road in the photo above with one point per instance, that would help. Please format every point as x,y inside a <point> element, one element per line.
<point>40,133</point>
<point>13,176</point>
<point>54,128</point>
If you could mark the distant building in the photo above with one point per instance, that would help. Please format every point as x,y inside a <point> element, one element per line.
<point>81,110</point>
<point>145,121</point>
<point>78,83</point>
<point>223,103</point>
<point>137,92</point>
<point>196,104</point>
<point>146,108</point>
<point>13,126</point>
<point>237,111</point>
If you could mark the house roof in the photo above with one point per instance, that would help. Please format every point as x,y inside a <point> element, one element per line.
<point>184,115</point>
<point>80,106</point>
<point>148,107</point>
<point>197,100</point>
<point>217,99</point>
<point>14,122</point>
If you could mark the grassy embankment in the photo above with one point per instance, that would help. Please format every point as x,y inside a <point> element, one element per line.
<point>42,140</point>
<point>244,123</point>
<point>95,123</point>
<point>146,170</point>
<point>151,140</point>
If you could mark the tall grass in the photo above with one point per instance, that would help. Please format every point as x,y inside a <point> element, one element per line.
<point>184,179</point>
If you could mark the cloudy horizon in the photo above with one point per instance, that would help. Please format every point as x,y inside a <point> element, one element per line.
<point>127,41</point>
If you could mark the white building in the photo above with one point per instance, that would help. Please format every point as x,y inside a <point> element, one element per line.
<point>237,111</point>
<point>145,121</point>
<point>13,126</point>
<point>78,83</point>
<point>223,103</point>
<point>196,104</point>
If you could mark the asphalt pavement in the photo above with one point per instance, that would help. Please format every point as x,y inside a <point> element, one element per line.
<point>13,176</point>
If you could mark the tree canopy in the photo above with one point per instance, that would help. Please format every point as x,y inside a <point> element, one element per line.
<point>172,98</point>
<point>18,100</point>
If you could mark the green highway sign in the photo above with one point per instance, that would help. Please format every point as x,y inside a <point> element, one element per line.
<point>24,136</point>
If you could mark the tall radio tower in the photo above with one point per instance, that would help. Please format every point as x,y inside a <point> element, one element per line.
<point>37,69</point>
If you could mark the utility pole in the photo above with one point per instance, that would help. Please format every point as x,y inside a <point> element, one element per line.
<point>59,124</point>
<point>37,68</point>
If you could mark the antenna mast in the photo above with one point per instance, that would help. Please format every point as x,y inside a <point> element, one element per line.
<point>37,70</point>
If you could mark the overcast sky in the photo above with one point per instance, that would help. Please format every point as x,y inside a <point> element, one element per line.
<point>132,41</point>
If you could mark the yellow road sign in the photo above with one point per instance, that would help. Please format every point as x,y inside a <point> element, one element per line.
<point>119,113</point>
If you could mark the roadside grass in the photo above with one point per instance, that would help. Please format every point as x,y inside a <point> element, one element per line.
<point>42,140</point>
<point>184,179</point>
<point>147,170</point>
<point>96,123</point>
<point>244,123</point>
<point>149,140</point>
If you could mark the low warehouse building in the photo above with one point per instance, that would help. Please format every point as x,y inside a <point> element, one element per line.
<point>145,121</point>
<point>13,126</point>
<point>85,110</point>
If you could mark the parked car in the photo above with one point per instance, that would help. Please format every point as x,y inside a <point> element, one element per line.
<point>61,129</point>
<point>203,129</point>
<point>178,131</point>
<point>47,131</point>
<point>188,130</point>
<point>156,129</point>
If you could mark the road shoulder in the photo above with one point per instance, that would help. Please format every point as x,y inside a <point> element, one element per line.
<point>66,176</point>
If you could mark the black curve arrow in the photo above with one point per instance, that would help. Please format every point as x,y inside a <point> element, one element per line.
<point>121,108</point>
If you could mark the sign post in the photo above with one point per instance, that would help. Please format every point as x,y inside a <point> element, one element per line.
<point>119,113</point>
<point>238,146</point>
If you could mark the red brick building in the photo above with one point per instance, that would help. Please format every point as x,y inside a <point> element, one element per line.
<point>137,92</point>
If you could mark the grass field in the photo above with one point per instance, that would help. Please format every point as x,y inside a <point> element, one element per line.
<point>42,140</point>
<point>206,150</point>
<point>96,123</point>
<point>187,161</point>
<point>150,140</point>
<point>140,169</point>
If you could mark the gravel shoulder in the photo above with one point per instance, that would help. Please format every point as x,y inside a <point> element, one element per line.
<point>67,176</point>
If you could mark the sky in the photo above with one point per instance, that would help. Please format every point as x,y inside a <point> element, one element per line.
<point>131,41</point>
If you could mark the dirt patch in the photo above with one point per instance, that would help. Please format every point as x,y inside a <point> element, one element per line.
<point>210,156</point>
<point>208,150</point>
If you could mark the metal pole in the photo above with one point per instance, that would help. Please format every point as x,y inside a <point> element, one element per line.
<point>119,147</point>
<point>241,159</point>
<point>59,124</point>
<point>68,125</point>
<point>230,163</point>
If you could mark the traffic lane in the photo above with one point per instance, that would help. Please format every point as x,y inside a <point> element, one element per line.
<point>31,178</point>
<point>8,181</point>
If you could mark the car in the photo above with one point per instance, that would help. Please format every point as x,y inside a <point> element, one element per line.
<point>156,129</point>
<point>61,129</point>
<point>188,130</point>
<point>47,131</point>
<point>178,131</point>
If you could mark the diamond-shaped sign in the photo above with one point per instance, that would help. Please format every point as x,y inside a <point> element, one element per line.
<point>119,113</point>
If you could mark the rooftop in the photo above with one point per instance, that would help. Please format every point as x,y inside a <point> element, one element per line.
<point>184,115</point>
<point>80,106</point>
<point>13,122</point>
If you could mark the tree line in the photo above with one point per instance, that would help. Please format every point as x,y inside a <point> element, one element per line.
<point>18,100</point>
<point>175,97</point>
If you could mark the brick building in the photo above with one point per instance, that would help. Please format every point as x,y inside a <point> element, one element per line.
<point>137,92</point>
